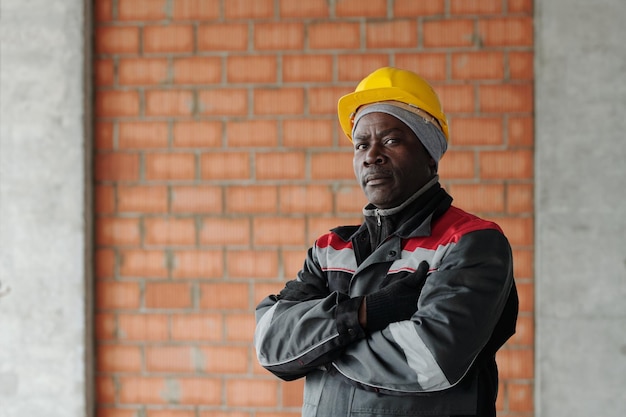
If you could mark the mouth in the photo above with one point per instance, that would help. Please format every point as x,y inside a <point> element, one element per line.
<point>376,179</point>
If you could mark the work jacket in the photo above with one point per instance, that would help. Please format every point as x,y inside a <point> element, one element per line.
<point>441,362</point>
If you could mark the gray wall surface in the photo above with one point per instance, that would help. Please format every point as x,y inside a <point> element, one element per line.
<point>42,215</point>
<point>580,179</point>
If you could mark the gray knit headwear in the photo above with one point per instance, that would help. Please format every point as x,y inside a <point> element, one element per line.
<point>426,131</point>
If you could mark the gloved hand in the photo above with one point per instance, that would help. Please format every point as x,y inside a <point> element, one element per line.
<point>307,287</point>
<point>395,302</point>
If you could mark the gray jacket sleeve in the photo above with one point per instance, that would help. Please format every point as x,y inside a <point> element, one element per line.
<point>460,304</point>
<point>295,337</point>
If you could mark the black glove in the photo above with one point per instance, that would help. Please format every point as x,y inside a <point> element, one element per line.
<point>307,287</point>
<point>396,301</point>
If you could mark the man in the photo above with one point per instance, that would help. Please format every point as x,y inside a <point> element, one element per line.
<point>402,315</point>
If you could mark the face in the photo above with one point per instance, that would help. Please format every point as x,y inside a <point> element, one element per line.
<point>390,163</point>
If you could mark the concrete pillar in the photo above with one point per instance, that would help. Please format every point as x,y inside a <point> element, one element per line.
<point>580,208</point>
<point>44,226</point>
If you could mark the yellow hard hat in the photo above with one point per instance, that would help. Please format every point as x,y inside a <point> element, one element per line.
<point>391,84</point>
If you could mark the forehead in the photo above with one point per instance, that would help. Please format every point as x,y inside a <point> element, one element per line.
<point>380,122</point>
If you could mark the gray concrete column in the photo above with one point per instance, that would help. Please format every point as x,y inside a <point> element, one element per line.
<point>44,236</point>
<point>580,208</point>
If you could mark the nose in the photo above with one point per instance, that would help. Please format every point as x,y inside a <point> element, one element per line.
<point>374,156</point>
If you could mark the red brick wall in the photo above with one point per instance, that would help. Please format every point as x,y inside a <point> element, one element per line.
<point>219,160</point>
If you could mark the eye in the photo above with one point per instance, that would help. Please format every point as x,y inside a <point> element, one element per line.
<point>360,146</point>
<point>391,141</point>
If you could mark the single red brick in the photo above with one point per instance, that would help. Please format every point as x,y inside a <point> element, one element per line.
<point>172,166</point>
<point>199,391</point>
<point>104,199</point>
<point>104,72</point>
<point>481,198</point>
<point>197,134</point>
<point>506,164</point>
<point>117,40</point>
<point>430,66</point>
<point>172,359</point>
<point>240,327</point>
<point>278,101</point>
<point>307,9</point>
<point>520,6</point>
<point>224,296</point>
<point>457,165</point>
<point>371,8</point>
<point>143,263</point>
<point>117,103</point>
<point>225,232</point>
<point>506,98</point>
<point>142,134</point>
<point>197,70</point>
<point>476,131</point>
<point>356,67</point>
<point>169,103</point>
<point>252,264</point>
<point>280,166</point>
<point>278,231</point>
<point>305,199</point>
<point>249,9</point>
<point>526,293</point>
<point>223,37</point>
<point>196,199</point>
<point>142,390</point>
<point>103,10</point>
<point>515,364</point>
<point>225,165</point>
<point>331,35</point>
<point>224,102</point>
<point>196,10</point>
<point>105,326</point>
<point>252,133</point>
<point>251,69</point>
<point>104,263</point>
<point>465,7</point>
<point>506,31</point>
<point>448,33</point>
<point>520,198</point>
<point>478,65</point>
<point>168,39</point>
<point>307,133</point>
<point>307,68</point>
<point>246,199</point>
<point>332,166</point>
<point>118,358</point>
<point>323,100</point>
<point>194,264</point>
<point>106,393</point>
<point>251,393</point>
<point>167,295</point>
<point>279,36</point>
<point>142,71</point>
<point>141,10</point>
<point>224,360</point>
<point>169,412</point>
<point>117,295</point>
<point>391,34</point>
<point>521,65</point>
<point>142,327</point>
<point>111,231</point>
<point>169,231</point>
<point>521,131</point>
<point>204,327</point>
<point>405,8</point>
<point>456,98</point>
<point>103,136</point>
